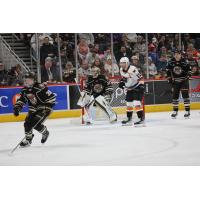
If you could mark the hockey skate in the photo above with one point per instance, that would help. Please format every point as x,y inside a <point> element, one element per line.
<point>87,119</point>
<point>113,118</point>
<point>27,142</point>
<point>174,114</point>
<point>127,122</point>
<point>187,114</point>
<point>45,136</point>
<point>140,122</point>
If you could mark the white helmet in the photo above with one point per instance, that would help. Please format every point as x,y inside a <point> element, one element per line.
<point>124,60</point>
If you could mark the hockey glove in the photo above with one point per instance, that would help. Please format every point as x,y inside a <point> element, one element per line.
<point>121,84</point>
<point>141,88</point>
<point>16,111</point>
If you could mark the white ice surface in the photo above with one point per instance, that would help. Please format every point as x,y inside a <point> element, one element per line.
<point>164,141</point>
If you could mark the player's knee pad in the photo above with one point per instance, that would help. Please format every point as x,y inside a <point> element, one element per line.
<point>185,93</point>
<point>129,106</point>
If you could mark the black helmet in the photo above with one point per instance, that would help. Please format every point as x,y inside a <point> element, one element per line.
<point>30,75</point>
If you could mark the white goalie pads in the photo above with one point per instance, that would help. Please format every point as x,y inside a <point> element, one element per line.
<point>105,106</point>
<point>84,99</point>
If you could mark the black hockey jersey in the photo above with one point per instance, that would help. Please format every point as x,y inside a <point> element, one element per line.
<point>98,86</point>
<point>36,96</point>
<point>178,70</point>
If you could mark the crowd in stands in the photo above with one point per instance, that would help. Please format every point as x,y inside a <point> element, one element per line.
<point>94,50</point>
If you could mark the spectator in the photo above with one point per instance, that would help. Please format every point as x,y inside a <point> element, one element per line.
<point>124,52</point>
<point>163,58</point>
<point>110,67</point>
<point>83,51</point>
<point>135,61</point>
<point>195,71</point>
<point>69,74</point>
<point>108,54</point>
<point>47,50</point>
<point>186,41</point>
<point>88,37</point>
<point>152,68</point>
<point>195,53</point>
<point>3,75</point>
<point>99,64</point>
<point>15,76</point>
<point>162,42</point>
<point>48,71</point>
<point>153,54</point>
<point>140,46</point>
<point>84,69</point>
<point>175,43</point>
<point>193,63</point>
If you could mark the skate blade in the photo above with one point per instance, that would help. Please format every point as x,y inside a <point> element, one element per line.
<point>140,125</point>
<point>173,117</point>
<point>187,117</point>
<point>127,124</point>
<point>24,146</point>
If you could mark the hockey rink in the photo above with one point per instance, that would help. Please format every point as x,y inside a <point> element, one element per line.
<point>163,141</point>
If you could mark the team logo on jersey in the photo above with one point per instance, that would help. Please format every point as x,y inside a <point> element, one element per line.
<point>32,98</point>
<point>98,88</point>
<point>177,70</point>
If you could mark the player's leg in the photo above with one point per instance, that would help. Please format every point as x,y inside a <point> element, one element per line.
<point>139,111</point>
<point>175,98</point>
<point>137,102</point>
<point>105,106</point>
<point>28,129</point>
<point>129,108</point>
<point>86,102</point>
<point>40,127</point>
<point>186,98</point>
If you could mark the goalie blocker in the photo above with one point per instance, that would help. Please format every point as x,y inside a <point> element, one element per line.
<point>97,92</point>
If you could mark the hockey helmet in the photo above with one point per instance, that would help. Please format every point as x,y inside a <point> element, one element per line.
<point>30,75</point>
<point>124,62</point>
<point>29,79</point>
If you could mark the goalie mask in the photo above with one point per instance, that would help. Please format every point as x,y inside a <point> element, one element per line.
<point>95,72</point>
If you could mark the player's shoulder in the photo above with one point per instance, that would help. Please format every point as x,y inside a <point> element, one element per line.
<point>40,86</point>
<point>89,78</point>
<point>133,68</point>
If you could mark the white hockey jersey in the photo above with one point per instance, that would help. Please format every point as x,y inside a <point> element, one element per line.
<point>133,77</point>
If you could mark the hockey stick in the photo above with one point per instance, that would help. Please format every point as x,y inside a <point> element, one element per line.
<point>84,106</point>
<point>17,146</point>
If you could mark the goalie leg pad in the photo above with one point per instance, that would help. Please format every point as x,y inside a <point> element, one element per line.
<point>105,106</point>
<point>84,99</point>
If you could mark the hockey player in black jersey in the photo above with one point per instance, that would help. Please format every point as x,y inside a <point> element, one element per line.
<point>178,73</point>
<point>97,92</point>
<point>40,102</point>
